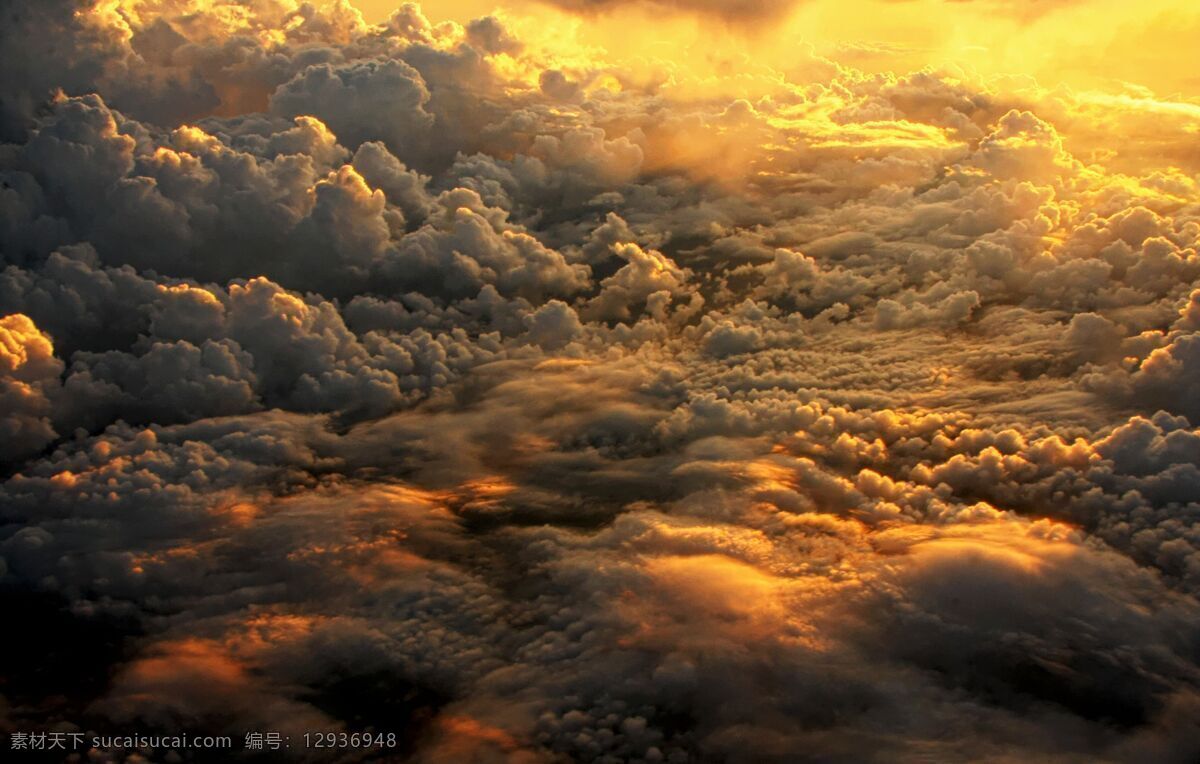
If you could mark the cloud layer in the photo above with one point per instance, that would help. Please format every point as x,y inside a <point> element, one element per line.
<point>409,378</point>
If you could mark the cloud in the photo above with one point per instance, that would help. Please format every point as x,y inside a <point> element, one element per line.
<point>350,98</point>
<point>534,406</point>
<point>28,373</point>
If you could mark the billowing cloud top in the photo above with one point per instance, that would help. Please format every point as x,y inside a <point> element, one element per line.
<point>536,404</point>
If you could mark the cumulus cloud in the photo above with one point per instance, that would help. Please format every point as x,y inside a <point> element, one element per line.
<point>420,378</point>
<point>349,99</point>
<point>29,372</point>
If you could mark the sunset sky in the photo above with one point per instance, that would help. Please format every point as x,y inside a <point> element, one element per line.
<point>1080,44</point>
<point>602,381</point>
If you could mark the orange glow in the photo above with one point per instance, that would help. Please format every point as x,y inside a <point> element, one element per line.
<point>264,631</point>
<point>477,731</point>
<point>21,343</point>
<point>697,601</point>
<point>185,660</point>
<point>241,513</point>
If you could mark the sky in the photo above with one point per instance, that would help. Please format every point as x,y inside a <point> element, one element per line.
<point>1081,44</point>
<point>602,380</point>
